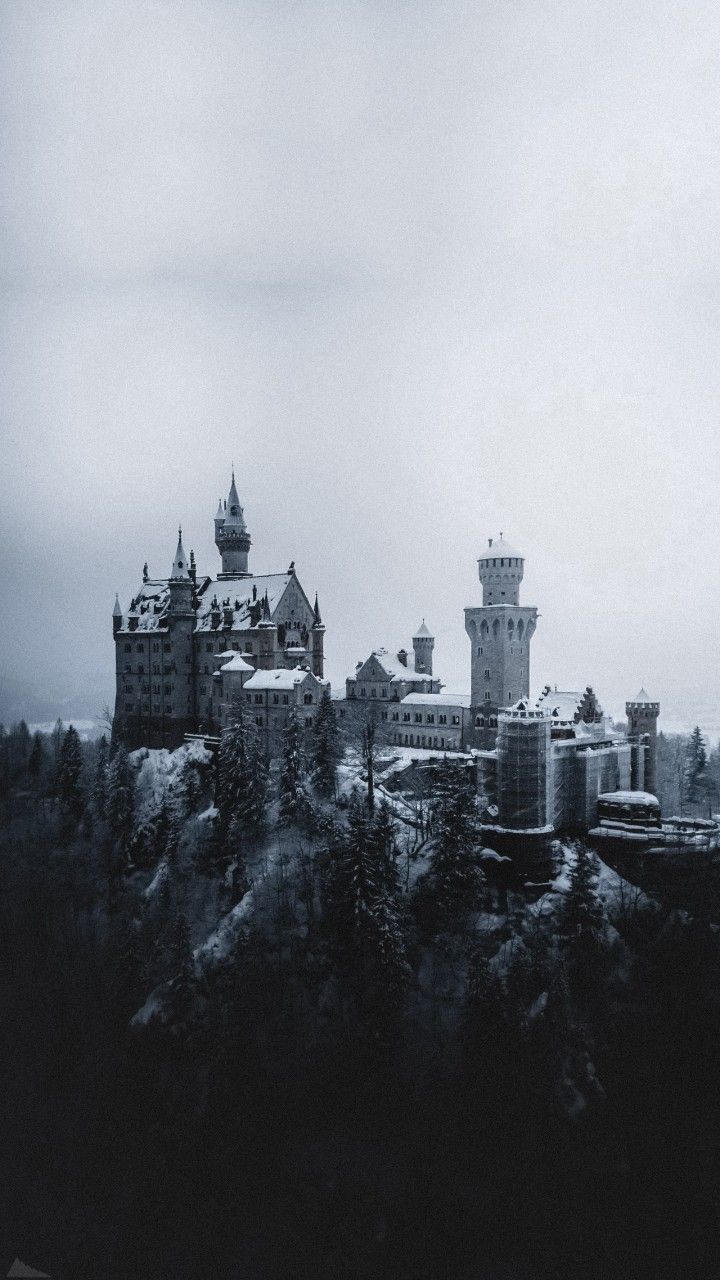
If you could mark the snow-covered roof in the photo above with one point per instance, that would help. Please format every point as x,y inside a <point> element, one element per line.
<point>436,700</point>
<point>422,632</point>
<point>279,678</point>
<point>630,797</point>
<point>498,547</point>
<point>560,704</point>
<point>394,669</point>
<point>236,662</point>
<point>117,611</point>
<point>240,593</point>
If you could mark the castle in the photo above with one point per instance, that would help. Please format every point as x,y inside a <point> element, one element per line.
<point>189,647</point>
<point>179,633</point>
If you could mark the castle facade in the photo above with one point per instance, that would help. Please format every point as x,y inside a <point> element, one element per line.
<point>179,631</point>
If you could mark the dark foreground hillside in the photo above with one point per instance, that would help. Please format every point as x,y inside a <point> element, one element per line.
<point>302,1041</point>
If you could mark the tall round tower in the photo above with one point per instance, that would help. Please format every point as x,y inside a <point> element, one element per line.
<point>501,569</point>
<point>232,538</point>
<point>642,714</point>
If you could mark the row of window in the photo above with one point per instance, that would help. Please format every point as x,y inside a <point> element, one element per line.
<point>261,723</point>
<point>424,740</point>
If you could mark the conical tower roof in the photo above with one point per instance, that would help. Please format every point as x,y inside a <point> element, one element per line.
<point>234,512</point>
<point>422,632</point>
<point>180,568</point>
<point>117,611</point>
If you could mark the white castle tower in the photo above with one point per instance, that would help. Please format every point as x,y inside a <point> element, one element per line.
<point>500,632</point>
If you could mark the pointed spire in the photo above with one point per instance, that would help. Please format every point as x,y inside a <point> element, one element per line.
<point>422,632</point>
<point>220,514</point>
<point>234,512</point>
<point>180,569</point>
<point>117,611</point>
<point>316,612</point>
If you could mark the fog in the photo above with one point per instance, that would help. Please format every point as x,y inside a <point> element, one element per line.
<point>424,272</point>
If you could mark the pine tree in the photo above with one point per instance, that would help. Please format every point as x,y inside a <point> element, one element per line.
<point>72,801</point>
<point>581,915</point>
<point>695,766</point>
<point>119,802</point>
<point>38,759</point>
<point>99,789</point>
<point>326,751</point>
<point>242,784</point>
<point>451,887</point>
<point>364,920</point>
<point>293,803</point>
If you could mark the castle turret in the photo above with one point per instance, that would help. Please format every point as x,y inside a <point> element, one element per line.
<point>642,714</point>
<point>180,582</point>
<point>423,644</point>
<point>500,632</point>
<point>318,641</point>
<point>501,570</point>
<point>117,616</point>
<point>231,536</point>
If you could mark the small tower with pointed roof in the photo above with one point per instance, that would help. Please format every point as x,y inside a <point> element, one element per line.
<point>117,615</point>
<point>642,714</point>
<point>423,645</point>
<point>318,641</point>
<point>231,536</point>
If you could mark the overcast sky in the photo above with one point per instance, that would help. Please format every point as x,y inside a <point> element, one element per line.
<point>423,271</point>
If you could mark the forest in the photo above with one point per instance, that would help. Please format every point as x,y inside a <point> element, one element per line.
<point>269,1020</point>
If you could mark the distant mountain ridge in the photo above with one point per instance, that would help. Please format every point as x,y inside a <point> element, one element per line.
<point>24,700</point>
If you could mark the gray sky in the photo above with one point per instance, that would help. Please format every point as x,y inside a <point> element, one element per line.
<point>424,271</point>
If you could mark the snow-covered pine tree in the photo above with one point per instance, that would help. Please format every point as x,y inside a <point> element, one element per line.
<point>365,924</point>
<point>451,887</point>
<point>293,803</point>
<point>695,766</point>
<point>241,785</point>
<point>581,915</point>
<point>326,751</point>
<point>70,793</point>
<point>119,802</point>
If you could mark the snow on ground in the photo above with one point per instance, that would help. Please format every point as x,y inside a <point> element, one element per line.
<point>224,938</point>
<point>159,770</point>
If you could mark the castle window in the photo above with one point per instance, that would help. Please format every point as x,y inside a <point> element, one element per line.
<point>258,721</point>
<point>276,699</point>
<point>480,722</point>
<point>308,722</point>
<point>509,695</point>
<point>418,717</point>
<point>285,699</point>
<point>167,647</point>
<point>442,742</point>
<point>456,719</point>
<point>156,669</point>
<point>395,715</point>
<point>140,647</point>
<point>248,698</point>
<point>128,668</point>
<point>383,715</point>
<point>167,690</point>
<point>406,716</point>
<point>362,693</point>
<point>128,648</point>
<point>480,652</point>
<point>307,699</point>
<point>156,647</point>
<point>258,699</point>
<point>208,647</point>
<point>486,696</point>
<point>486,673</point>
<point>442,719</point>
<point>141,669</point>
<point>430,719</point>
